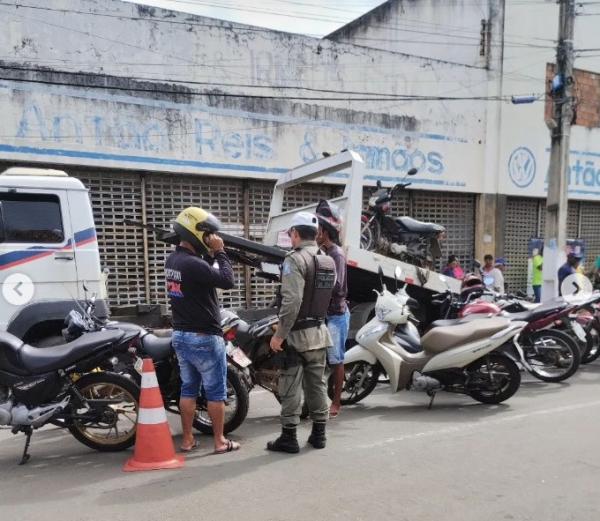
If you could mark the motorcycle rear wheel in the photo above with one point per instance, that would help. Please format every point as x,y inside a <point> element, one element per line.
<point>352,376</point>
<point>504,382</point>
<point>119,417</point>
<point>553,355</point>
<point>236,407</point>
<point>593,345</point>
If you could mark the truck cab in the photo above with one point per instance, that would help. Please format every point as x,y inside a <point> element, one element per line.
<point>49,258</point>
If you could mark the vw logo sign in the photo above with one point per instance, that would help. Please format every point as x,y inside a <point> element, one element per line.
<point>521,167</point>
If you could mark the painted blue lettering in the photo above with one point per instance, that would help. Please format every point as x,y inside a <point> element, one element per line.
<point>417,160</point>
<point>577,170</point>
<point>206,135</point>
<point>152,137</point>
<point>74,132</point>
<point>589,174</point>
<point>263,147</point>
<point>32,116</point>
<point>233,145</point>
<point>436,163</point>
<point>307,152</point>
<point>399,153</point>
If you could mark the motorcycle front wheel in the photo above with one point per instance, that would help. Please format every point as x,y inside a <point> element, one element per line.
<point>553,355</point>
<point>360,378</point>
<point>110,422</point>
<point>369,236</point>
<point>494,379</point>
<point>236,406</point>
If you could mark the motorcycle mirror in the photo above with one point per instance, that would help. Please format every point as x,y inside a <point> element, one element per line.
<point>378,184</point>
<point>412,171</point>
<point>380,272</point>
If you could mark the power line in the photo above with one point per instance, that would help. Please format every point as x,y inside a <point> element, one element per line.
<point>188,92</point>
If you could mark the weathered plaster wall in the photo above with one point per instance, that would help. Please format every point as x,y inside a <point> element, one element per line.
<point>145,121</point>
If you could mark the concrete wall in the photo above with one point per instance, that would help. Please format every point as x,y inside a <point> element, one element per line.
<point>525,137</point>
<point>130,114</point>
<point>442,29</point>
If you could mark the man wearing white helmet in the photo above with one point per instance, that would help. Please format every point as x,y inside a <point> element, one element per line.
<point>306,286</point>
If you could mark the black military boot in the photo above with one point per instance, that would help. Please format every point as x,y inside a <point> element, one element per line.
<point>287,442</point>
<point>317,437</point>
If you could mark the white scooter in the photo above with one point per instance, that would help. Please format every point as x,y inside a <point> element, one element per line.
<point>460,358</point>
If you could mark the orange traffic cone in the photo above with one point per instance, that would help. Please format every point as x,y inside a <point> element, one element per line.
<point>154,447</point>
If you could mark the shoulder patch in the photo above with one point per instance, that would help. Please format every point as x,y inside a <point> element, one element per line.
<point>286,269</point>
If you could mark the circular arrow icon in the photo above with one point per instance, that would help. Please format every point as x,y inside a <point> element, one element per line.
<point>18,289</point>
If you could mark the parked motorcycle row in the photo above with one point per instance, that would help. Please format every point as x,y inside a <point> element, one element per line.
<point>90,385</point>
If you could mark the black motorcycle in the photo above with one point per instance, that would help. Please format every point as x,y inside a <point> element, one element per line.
<point>54,386</point>
<point>163,355</point>
<point>405,238</point>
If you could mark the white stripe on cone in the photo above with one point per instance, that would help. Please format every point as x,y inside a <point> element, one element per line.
<point>149,380</point>
<point>152,416</point>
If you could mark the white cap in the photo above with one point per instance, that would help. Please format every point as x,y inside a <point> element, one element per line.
<point>305,219</point>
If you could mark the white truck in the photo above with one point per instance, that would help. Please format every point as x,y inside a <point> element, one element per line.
<point>48,252</point>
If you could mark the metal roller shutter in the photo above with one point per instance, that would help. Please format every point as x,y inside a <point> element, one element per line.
<point>167,195</point>
<point>521,224</point>
<point>117,196</point>
<point>259,195</point>
<point>572,219</point>
<point>590,230</point>
<point>456,212</point>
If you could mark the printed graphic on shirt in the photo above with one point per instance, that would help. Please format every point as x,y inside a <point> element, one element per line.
<point>287,269</point>
<point>173,283</point>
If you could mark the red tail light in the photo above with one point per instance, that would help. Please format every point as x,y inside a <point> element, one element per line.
<point>230,334</point>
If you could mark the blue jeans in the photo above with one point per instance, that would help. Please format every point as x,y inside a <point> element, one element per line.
<point>537,291</point>
<point>338,326</point>
<point>202,362</point>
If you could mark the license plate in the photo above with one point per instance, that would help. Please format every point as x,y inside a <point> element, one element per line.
<point>238,356</point>
<point>579,331</point>
<point>139,364</point>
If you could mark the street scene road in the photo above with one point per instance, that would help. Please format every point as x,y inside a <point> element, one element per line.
<point>388,457</point>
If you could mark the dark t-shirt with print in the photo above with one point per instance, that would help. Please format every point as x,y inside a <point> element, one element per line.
<point>191,287</point>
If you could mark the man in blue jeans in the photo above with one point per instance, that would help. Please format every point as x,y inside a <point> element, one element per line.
<point>197,337</point>
<point>338,315</point>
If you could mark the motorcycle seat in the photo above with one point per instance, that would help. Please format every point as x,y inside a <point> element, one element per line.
<point>412,225</point>
<point>440,339</point>
<point>37,360</point>
<point>531,315</point>
<point>263,322</point>
<point>456,321</point>
<point>158,348</point>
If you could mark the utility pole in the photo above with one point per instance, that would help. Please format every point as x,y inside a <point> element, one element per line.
<point>558,177</point>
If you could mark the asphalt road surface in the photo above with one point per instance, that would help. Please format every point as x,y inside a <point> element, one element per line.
<point>535,458</point>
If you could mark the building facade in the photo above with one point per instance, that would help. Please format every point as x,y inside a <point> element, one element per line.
<point>155,110</point>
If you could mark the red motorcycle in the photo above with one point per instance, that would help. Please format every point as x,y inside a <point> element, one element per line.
<point>547,353</point>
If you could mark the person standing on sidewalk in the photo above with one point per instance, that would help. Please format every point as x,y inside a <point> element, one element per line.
<point>338,315</point>
<point>192,282</point>
<point>307,280</point>
<point>537,277</point>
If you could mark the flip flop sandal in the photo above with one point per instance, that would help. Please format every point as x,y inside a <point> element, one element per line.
<point>192,448</point>
<point>334,414</point>
<point>231,446</point>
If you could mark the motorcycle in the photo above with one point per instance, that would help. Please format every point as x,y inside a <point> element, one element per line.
<point>163,355</point>
<point>549,354</point>
<point>253,340</point>
<point>462,358</point>
<point>402,237</point>
<point>159,348</point>
<point>54,386</point>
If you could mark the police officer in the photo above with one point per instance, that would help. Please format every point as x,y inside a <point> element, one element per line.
<point>306,286</point>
